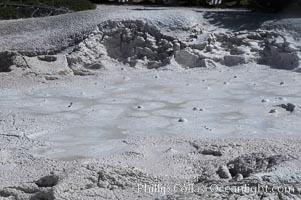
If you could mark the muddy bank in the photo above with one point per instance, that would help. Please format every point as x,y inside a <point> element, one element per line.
<point>158,42</point>
<point>141,171</point>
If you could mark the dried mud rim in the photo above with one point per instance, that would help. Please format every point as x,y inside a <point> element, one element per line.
<point>130,42</point>
<point>139,43</point>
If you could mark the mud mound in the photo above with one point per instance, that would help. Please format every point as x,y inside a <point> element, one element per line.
<point>279,53</point>
<point>129,42</point>
<point>260,46</point>
<point>139,43</point>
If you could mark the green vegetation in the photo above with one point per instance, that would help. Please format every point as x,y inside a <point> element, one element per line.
<point>11,10</point>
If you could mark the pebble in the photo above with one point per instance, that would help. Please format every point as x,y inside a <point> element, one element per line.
<point>265,100</point>
<point>281,83</point>
<point>126,78</point>
<point>212,152</point>
<point>273,111</point>
<point>182,120</point>
<point>47,181</point>
<point>288,107</point>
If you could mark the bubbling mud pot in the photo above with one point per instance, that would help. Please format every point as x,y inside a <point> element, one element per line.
<point>100,115</point>
<point>104,105</point>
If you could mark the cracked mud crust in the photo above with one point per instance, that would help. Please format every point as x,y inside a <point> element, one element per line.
<point>130,175</point>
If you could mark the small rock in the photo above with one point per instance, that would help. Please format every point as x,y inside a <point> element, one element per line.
<point>212,152</point>
<point>281,83</point>
<point>273,111</point>
<point>224,172</point>
<point>195,109</point>
<point>51,78</point>
<point>182,120</point>
<point>47,181</point>
<point>140,107</point>
<point>265,100</point>
<point>288,107</point>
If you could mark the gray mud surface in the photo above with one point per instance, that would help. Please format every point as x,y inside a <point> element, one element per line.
<point>150,103</point>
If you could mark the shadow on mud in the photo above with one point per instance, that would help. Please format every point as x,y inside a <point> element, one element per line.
<point>242,20</point>
<point>147,9</point>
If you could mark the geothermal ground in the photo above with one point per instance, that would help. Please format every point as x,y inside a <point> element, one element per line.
<point>151,103</point>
